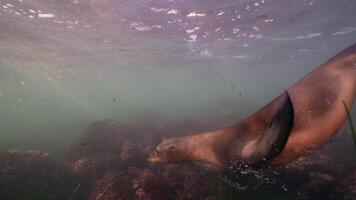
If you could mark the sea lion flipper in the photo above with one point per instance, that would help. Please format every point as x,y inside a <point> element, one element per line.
<point>277,134</point>
<point>280,128</point>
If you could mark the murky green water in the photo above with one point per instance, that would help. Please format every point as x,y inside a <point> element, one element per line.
<point>172,67</point>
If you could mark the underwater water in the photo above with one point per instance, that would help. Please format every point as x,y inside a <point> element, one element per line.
<point>83,81</point>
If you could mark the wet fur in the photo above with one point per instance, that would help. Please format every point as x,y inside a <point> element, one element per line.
<point>318,114</point>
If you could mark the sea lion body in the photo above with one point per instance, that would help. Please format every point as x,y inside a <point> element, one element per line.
<point>318,114</point>
<point>317,101</point>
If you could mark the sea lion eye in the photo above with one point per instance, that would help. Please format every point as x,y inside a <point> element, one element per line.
<point>171,148</point>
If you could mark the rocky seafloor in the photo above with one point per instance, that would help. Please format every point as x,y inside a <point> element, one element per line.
<point>109,163</point>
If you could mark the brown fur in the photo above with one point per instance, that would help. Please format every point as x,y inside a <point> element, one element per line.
<point>319,113</point>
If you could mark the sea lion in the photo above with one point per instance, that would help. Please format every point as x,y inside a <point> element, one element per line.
<point>306,115</point>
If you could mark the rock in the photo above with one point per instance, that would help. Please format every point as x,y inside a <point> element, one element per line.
<point>151,186</point>
<point>106,136</point>
<point>188,182</point>
<point>132,184</point>
<point>111,161</point>
<point>92,168</point>
<point>95,166</point>
<point>314,174</point>
<point>113,186</point>
<point>130,155</point>
<point>110,148</point>
<point>335,157</point>
<point>320,186</point>
<point>111,136</point>
<point>34,174</point>
<point>346,187</point>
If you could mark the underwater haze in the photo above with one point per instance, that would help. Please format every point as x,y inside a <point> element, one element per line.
<point>67,63</point>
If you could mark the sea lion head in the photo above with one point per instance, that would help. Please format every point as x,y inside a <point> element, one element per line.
<point>169,151</point>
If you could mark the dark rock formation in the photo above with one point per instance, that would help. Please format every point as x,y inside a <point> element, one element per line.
<point>151,186</point>
<point>35,175</point>
<point>188,182</point>
<point>132,184</point>
<point>320,186</point>
<point>105,136</point>
<point>113,186</point>
<point>346,187</point>
<point>93,167</point>
<point>109,163</point>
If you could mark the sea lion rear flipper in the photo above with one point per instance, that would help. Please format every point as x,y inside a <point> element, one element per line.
<point>275,138</point>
